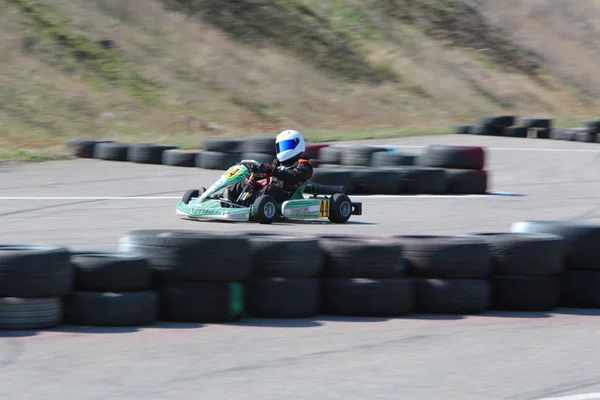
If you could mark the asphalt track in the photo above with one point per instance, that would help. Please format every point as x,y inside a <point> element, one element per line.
<point>88,204</point>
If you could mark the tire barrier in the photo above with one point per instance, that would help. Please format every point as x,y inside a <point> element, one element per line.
<point>438,170</point>
<point>209,277</point>
<point>540,128</point>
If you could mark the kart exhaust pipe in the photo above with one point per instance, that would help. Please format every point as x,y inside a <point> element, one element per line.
<point>316,188</point>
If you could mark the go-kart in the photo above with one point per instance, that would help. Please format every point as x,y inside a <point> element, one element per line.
<point>251,206</point>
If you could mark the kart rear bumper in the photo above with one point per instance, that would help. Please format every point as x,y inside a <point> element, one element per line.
<point>356,208</point>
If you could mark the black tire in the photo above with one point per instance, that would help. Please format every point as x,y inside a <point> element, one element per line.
<point>204,302</point>
<point>179,158</point>
<point>515,131</point>
<point>331,155</point>
<point>542,133</point>
<point>420,180</point>
<point>283,297</point>
<point>264,209</point>
<point>191,255</point>
<point>368,298</point>
<point>580,288</point>
<point>388,159</point>
<point>466,181</point>
<point>524,254</point>
<point>111,309</point>
<point>525,293</point>
<point>223,145</point>
<point>340,208</point>
<point>260,144</point>
<point>362,258</point>
<point>455,157</point>
<point>563,134</point>
<point>148,153</point>
<point>359,155</point>
<point>35,270</point>
<point>111,151</point>
<point>463,129</point>
<point>446,257</point>
<point>452,296</point>
<point>286,256</point>
<point>334,176</point>
<point>485,130</point>
<point>110,272</point>
<point>189,195</point>
<point>585,137</point>
<point>260,157</point>
<point>214,160</point>
<point>542,123</point>
<point>582,240</point>
<point>501,121</point>
<point>83,148</point>
<point>20,313</point>
<point>376,180</point>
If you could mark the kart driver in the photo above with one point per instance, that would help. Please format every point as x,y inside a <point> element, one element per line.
<point>288,171</point>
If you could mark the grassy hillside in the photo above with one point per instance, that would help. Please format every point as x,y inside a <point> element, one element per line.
<point>181,70</point>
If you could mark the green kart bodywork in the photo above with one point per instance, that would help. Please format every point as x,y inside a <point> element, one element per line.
<point>198,204</point>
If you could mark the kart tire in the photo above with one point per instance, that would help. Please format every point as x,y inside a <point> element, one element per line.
<point>203,302</point>
<point>191,255</point>
<point>111,309</point>
<point>97,271</point>
<point>524,254</point>
<point>21,313</point>
<point>452,296</point>
<point>179,158</point>
<point>264,209</point>
<point>283,297</point>
<point>453,157</point>
<point>111,151</point>
<point>581,240</point>
<point>148,153</point>
<point>359,155</point>
<point>580,288</point>
<point>347,257</point>
<point>189,195</point>
<point>446,257</point>
<point>525,293</point>
<point>466,181</point>
<point>368,297</point>
<point>84,148</point>
<point>223,145</point>
<point>340,208</point>
<point>35,270</point>
<point>285,256</point>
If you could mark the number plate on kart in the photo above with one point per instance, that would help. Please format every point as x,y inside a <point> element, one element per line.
<point>324,208</point>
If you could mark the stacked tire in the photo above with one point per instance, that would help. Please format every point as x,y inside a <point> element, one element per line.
<point>285,277</point>
<point>463,167</point>
<point>365,278</point>
<point>34,278</point>
<point>219,153</point>
<point>527,268</point>
<point>451,273</point>
<point>111,289</point>
<point>581,278</point>
<point>198,275</point>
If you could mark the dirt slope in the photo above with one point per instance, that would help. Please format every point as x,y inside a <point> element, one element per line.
<point>183,69</point>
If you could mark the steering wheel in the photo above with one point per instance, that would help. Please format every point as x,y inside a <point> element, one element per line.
<point>265,179</point>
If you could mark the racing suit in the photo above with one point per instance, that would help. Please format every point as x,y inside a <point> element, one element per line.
<point>284,181</point>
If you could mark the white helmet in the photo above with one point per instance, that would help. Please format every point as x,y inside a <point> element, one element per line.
<point>289,144</point>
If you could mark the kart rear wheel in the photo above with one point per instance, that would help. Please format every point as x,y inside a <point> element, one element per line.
<point>264,209</point>
<point>190,194</point>
<point>340,208</point>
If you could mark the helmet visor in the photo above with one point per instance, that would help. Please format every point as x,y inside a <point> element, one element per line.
<point>286,145</point>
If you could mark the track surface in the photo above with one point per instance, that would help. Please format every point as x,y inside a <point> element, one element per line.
<point>495,356</point>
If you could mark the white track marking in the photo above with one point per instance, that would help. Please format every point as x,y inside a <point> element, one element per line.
<point>375,196</point>
<point>597,150</point>
<point>585,396</point>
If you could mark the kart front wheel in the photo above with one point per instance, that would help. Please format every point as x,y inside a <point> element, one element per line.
<point>190,194</point>
<point>340,208</point>
<point>264,209</point>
